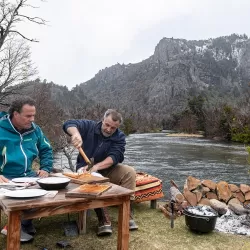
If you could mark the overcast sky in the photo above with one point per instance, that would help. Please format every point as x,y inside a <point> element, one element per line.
<point>85,36</point>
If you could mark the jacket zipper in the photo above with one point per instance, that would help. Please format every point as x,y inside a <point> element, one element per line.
<point>25,156</point>
<point>98,148</point>
<point>21,147</point>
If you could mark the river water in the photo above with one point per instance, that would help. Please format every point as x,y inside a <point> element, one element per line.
<point>177,157</point>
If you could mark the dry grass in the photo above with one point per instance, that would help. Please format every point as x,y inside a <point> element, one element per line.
<point>154,233</point>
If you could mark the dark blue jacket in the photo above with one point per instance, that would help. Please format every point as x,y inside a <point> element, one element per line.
<point>95,144</point>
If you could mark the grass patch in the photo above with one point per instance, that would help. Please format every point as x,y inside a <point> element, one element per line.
<point>154,233</point>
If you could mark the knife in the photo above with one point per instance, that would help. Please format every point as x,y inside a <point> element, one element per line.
<point>85,157</point>
<point>172,212</point>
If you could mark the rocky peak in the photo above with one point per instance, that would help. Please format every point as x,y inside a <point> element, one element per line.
<point>110,73</point>
<point>170,49</point>
<point>231,47</point>
<point>177,69</point>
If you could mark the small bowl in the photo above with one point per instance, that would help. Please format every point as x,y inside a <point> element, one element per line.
<point>53,183</point>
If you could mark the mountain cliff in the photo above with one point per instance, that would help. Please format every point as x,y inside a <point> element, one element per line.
<point>178,70</point>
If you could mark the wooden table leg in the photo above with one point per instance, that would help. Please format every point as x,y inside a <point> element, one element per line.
<point>123,224</point>
<point>14,226</point>
<point>82,221</point>
<point>153,204</point>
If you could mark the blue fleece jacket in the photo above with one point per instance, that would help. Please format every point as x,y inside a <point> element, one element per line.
<point>95,144</point>
<point>17,151</point>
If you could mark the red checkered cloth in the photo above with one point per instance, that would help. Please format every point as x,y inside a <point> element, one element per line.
<point>148,187</point>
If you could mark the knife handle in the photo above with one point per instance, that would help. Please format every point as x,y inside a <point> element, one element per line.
<point>85,157</point>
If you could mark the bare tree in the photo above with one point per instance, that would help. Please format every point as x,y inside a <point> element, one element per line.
<point>15,63</point>
<point>15,67</point>
<point>68,152</point>
<point>49,115</point>
<point>11,15</point>
<point>188,123</point>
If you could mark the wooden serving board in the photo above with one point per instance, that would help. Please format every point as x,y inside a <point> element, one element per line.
<point>87,179</point>
<point>88,190</point>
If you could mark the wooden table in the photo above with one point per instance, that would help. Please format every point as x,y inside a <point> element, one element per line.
<point>17,209</point>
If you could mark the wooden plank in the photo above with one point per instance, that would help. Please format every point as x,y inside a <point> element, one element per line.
<point>88,190</point>
<point>82,204</point>
<point>92,179</point>
<point>84,179</point>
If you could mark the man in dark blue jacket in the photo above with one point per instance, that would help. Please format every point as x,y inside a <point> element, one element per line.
<point>104,142</point>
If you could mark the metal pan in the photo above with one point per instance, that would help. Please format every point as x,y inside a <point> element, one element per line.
<point>53,183</point>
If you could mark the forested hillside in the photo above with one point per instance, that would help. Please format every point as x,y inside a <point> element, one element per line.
<point>190,85</point>
<point>185,85</point>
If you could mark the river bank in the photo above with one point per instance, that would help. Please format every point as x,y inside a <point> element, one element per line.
<point>185,135</point>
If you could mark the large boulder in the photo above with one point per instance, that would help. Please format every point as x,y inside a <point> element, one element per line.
<point>219,206</point>
<point>193,183</point>
<point>223,191</point>
<point>210,184</point>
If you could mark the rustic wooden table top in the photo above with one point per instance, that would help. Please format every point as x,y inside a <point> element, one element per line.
<point>14,204</point>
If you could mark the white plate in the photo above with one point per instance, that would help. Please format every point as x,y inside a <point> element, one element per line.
<point>25,179</point>
<point>96,174</point>
<point>26,193</point>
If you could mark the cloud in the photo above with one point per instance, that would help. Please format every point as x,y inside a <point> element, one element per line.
<point>85,36</point>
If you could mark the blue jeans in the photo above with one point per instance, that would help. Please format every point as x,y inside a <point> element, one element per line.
<point>26,223</point>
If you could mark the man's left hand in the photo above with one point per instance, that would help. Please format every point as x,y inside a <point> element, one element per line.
<point>94,169</point>
<point>84,169</point>
<point>41,173</point>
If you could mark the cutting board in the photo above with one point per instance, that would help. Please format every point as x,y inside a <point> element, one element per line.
<point>88,190</point>
<point>87,179</point>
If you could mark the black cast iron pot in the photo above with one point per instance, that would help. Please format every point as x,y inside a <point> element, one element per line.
<point>53,183</point>
<point>200,223</point>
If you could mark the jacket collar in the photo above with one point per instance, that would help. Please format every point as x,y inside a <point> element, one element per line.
<point>5,122</point>
<point>98,127</point>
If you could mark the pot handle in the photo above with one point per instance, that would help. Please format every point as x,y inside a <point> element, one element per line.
<point>184,212</point>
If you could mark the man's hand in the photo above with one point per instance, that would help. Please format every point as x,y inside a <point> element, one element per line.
<point>76,138</point>
<point>3,179</point>
<point>94,169</point>
<point>41,173</point>
<point>82,170</point>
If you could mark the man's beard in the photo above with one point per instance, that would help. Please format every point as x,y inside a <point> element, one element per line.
<point>105,134</point>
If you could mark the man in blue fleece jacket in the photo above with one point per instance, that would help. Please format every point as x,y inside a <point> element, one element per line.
<point>104,142</point>
<point>21,141</point>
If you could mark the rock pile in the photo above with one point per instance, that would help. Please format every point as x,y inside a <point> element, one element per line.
<point>220,196</point>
